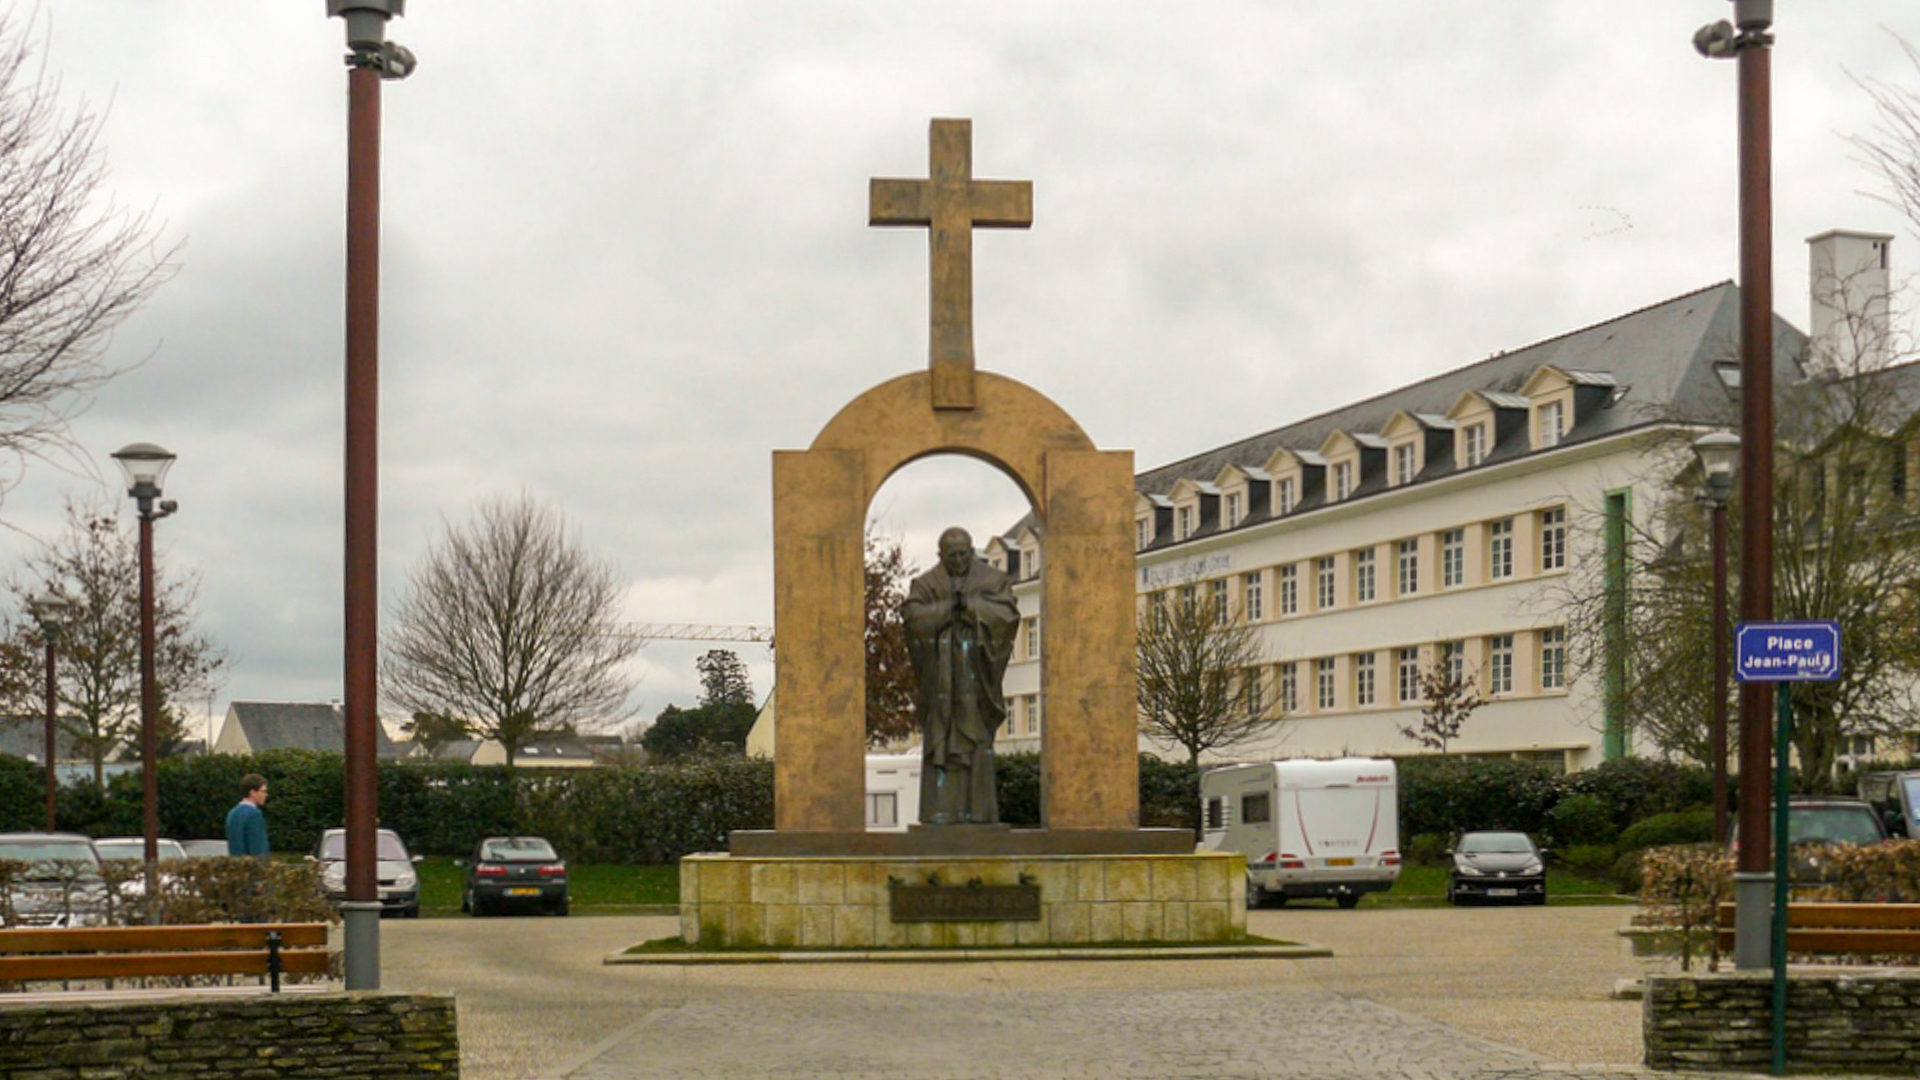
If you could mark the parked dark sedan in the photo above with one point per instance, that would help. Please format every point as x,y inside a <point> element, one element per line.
<point>515,872</point>
<point>1497,866</point>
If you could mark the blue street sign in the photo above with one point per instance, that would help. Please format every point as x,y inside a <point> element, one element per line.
<point>1787,651</point>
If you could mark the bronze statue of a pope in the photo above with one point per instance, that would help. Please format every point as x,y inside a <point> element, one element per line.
<point>961,619</point>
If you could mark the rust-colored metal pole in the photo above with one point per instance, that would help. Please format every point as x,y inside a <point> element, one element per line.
<point>1752,882</point>
<point>362,519</point>
<point>1721,662</point>
<point>149,717</point>
<point>53,701</point>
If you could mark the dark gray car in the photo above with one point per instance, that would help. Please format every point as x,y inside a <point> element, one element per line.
<point>1497,866</point>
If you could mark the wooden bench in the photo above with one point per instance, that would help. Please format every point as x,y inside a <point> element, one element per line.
<point>1841,928</point>
<point>116,952</point>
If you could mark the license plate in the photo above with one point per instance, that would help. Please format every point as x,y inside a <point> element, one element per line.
<point>1503,892</point>
<point>536,892</point>
<point>1339,862</point>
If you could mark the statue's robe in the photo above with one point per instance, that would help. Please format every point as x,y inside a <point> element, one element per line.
<point>960,637</point>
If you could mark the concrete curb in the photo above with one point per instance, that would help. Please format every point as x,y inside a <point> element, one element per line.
<point>954,956</point>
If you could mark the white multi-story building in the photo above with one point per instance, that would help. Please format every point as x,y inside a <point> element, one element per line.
<point>1436,523</point>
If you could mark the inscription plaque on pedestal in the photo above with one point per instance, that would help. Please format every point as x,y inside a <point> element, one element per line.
<point>964,903</point>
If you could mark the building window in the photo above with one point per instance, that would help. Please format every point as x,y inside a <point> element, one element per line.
<point>1030,630</point>
<point>1363,678</point>
<point>1453,558</point>
<point>1189,594</point>
<point>1553,539</point>
<point>1323,677</point>
<point>1250,597</point>
<point>1476,440</point>
<point>1289,690</point>
<point>1323,582</point>
<point>1142,534</point>
<point>1553,658</point>
<point>1403,464</point>
<point>1500,549</point>
<point>1409,674</point>
<point>1453,656</point>
<point>1285,495</point>
<point>1408,554</point>
<point>1183,522</point>
<point>1236,506</point>
<point>1342,480</point>
<point>1553,423</point>
<point>1217,593</point>
<point>1157,607</point>
<point>1500,664</point>
<point>1033,714</point>
<point>1363,576</point>
<point>1250,692</point>
<point>1290,590</point>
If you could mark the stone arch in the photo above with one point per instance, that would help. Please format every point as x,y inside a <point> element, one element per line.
<point>1083,498</point>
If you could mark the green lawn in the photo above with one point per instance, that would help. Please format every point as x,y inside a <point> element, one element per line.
<point>1428,885</point>
<point>591,888</point>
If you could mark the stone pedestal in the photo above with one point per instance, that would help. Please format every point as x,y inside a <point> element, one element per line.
<point>734,901</point>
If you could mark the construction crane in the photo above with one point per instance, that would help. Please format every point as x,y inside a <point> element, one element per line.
<point>698,632</point>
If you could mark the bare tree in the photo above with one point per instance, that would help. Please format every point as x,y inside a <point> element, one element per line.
<point>514,628</point>
<point>95,567</point>
<point>1448,695</point>
<point>1200,675</point>
<point>890,683</point>
<point>1892,149</point>
<point>73,264</point>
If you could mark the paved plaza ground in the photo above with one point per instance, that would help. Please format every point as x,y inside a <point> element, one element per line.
<point>1430,993</point>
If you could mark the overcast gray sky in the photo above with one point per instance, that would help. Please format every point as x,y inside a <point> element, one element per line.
<point>626,255</point>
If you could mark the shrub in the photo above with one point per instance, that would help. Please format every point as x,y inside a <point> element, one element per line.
<point>1591,861</point>
<point>1428,849</point>
<point>1169,794</point>
<point>1017,778</point>
<point>1451,795</point>
<point>23,795</point>
<point>1581,820</point>
<point>1634,788</point>
<point>1661,830</point>
<point>1871,873</point>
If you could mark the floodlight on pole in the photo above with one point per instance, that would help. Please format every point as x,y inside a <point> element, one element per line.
<point>145,466</point>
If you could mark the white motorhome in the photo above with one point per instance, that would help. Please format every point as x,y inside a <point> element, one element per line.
<point>1307,828</point>
<point>893,791</point>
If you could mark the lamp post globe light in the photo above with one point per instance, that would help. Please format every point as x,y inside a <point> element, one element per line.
<point>371,59</point>
<point>1718,452</point>
<point>145,466</point>
<point>50,612</point>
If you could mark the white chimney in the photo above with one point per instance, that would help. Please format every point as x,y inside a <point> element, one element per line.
<point>1851,283</point>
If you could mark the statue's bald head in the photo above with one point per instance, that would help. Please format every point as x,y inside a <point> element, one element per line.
<point>956,551</point>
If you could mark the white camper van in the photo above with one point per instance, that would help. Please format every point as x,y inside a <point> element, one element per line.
<point>1307,828</point>
<point>893,791</point>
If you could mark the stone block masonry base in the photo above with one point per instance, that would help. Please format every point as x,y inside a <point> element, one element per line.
<point>1865,1022</point>
<point>369,1034</point>
<point>729,901</point>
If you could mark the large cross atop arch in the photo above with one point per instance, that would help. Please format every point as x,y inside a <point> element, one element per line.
<point>950,204</point>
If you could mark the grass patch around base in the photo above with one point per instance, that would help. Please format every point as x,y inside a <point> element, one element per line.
<point>1418,885</point>
<point>606,888</point>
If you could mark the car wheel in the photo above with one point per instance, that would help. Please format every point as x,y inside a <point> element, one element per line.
<point>1538,901</point>
<point>1452,896</point>
<point>466,901</point>
<point>1349,901</point>
<point>561,909</point>
<point>412,912</point>
<point>480,909</point>
<point>1256,896</point>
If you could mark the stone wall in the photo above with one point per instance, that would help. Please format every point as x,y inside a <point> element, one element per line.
<point>258,1035</point>
<point>1865,1022</point>
<point>731,901</point>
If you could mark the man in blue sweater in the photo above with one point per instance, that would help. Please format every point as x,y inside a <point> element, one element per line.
<point>246,825</point>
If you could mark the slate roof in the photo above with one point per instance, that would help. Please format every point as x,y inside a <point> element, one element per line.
<point>26,737</point>
<point>300,725</point>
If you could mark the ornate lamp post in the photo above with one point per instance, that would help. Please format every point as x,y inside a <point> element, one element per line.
<point>372,59</point>
<point>1718,452</point>
<point>50,611</point>
<point>145,466</point>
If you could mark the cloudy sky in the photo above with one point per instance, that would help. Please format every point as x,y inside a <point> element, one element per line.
<point>626,254</point>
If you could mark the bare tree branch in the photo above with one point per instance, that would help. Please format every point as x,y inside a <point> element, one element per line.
<point>1201,676</point>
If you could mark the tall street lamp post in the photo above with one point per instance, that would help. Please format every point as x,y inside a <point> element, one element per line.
<point>1749,38</point>
<point>371,59</point>
<point>145,466</point>
<point>1717,452</point>
<point>50,611</point>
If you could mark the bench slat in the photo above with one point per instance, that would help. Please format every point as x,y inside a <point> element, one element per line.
<point>128,939</point>
<point>1842,941</point>
<point>129,965</point>
<point>1840,914</point>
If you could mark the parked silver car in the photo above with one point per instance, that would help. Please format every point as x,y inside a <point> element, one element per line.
<point>399,881</point>
<point>58,881</point>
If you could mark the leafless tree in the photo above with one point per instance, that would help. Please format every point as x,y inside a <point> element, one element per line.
<point>890,683</point>
<point>1200,676</point>
<point>510,625</point>
<point>1892,149</point>
<point>1448,695</point>
<point>95,567</point>
<point>73,263</point>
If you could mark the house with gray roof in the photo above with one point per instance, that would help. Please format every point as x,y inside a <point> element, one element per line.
<point>251,727</point>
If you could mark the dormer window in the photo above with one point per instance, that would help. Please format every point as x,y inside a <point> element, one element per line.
<point>1404,464</point>
<point>1553,423</point>
<point>1342,480</point>
<point>1236,507</point>
<point>1142,533</point>
<point>1286,494</point>
<point>1475,436</point>
<point>1182,522</point>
